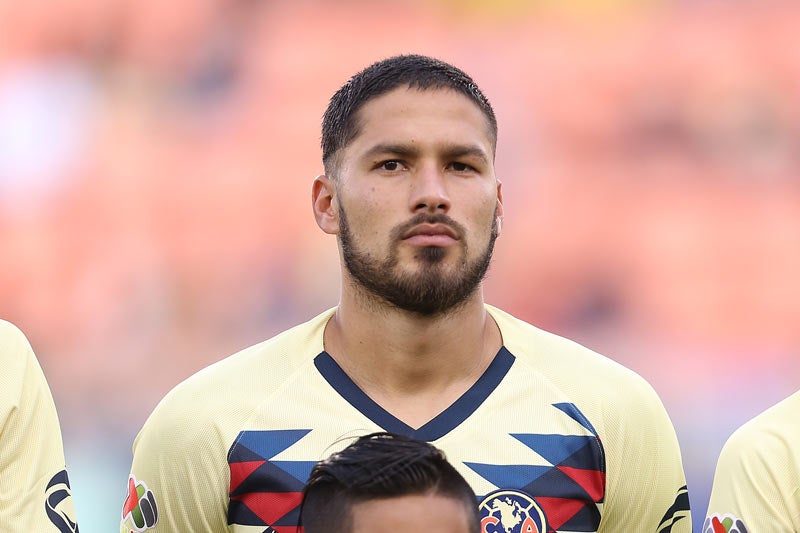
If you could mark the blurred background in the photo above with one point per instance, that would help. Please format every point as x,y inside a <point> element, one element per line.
<point>156,160</point>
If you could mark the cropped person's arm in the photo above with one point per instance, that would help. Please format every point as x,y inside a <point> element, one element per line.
<point>179,477</point>
<point>756,484</point>
<point>645,484</point>
<point>34,489</point>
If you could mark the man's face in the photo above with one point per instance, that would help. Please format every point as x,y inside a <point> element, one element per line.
<point>417,512</point>
<point>418,200</point>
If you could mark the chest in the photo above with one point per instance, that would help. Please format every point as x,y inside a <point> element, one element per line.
<point>532,457</point>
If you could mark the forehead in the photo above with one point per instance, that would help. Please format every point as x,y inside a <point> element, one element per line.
<point>407,114</point>
<point>418,512</point>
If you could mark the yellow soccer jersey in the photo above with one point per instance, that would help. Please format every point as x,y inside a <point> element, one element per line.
<point>553,438</point>
<point>757,482</point>
<point>34,489</point>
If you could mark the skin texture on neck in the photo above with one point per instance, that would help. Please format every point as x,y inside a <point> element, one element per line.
<point>414,367</point>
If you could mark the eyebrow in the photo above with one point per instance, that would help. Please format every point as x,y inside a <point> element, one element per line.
<point>406,150</point>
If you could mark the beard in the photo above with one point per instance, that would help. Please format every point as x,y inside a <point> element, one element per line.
<point>431,290</point>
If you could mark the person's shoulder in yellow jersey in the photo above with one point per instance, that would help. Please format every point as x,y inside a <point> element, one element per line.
<point>757,480</point>
<point>34,487</point>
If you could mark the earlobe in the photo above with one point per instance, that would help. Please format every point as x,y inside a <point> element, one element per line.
<point>323,202</point>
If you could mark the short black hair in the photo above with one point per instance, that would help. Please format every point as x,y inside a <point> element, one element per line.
<point>339,123</point>
<point>377,466</point>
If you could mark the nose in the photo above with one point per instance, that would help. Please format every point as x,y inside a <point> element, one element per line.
<point>429,190</point>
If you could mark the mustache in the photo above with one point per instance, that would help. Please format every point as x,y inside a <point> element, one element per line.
<point>425,218</point>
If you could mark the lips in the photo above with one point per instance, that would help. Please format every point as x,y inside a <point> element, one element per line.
<point>427,234</point>
<point>431,230</point>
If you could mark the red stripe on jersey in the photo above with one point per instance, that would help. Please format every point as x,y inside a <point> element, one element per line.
<point>559,510</point>
<point>592,481</point>
<point>271,506</point>
<point>240,471</point>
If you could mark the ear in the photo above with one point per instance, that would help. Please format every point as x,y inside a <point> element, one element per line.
<point>323,194</point>
<point>499,209</point>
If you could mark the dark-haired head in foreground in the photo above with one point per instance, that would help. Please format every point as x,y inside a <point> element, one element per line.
<point>386,482</point>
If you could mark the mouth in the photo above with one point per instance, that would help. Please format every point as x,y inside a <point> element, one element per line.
<point>431,235</point>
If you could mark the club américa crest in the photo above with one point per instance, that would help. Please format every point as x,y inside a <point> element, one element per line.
<point>511,511</point>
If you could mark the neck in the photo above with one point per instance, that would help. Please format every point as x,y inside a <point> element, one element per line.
<point>394,355</point>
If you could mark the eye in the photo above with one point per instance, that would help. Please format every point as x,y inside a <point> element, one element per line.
<point>460,167</point>
<point>392,165</point>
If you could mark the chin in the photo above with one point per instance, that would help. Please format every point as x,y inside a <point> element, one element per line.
<point>433,255</point>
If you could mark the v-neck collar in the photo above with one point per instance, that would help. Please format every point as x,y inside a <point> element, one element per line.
<point>438,426</point>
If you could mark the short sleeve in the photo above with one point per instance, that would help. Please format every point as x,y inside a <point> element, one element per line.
<point>646,484</point>
<point>756,482</point>
<point>179,477</point>
<point>35,494</point>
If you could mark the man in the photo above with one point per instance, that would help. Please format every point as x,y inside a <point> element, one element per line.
<point>757,482</point>
<point>385,482</point>
<point>34,488</point>
<point>548,433</point>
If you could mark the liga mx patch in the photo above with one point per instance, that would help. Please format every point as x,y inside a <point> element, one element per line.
<point>139,512</point>
<point>511,511</point>
<point>717,523</point>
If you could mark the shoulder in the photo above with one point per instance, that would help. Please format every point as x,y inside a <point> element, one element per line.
<point>570,364</point>
<point>613,397</point>
<point>18,362</point>
<point>767,437</point>
<point>272,360</point>
<point>7,329</point>
<point>777,420</point>
<point>227,391</point>
<point>13,343</point>
<point>757,473</point>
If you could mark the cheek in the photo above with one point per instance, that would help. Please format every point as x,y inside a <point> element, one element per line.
<point>483,219</point>
<point>368,222</point>
<point>479,199</point>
